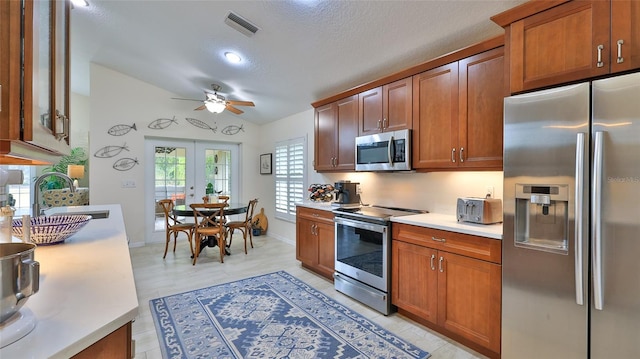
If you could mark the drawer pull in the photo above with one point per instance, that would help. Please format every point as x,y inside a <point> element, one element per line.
<point>442,240</point>
<point>620,58</point>
<point>433,256</point>
<point>600,63</point>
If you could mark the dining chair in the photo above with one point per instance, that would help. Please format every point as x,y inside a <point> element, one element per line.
<point>209,222</point>
<point>173,226</point>
<point>243,226</point>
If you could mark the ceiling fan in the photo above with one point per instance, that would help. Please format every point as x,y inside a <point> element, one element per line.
<point>217,103</point>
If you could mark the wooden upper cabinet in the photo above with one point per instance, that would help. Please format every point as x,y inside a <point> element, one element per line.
<point>481,94</point>
<point>435,117</point>
<point>557,42</point>
<point>325,136</point>
<point>347,132</point>
<point>34,108</point>
<point>370,112</point>
<point>386,108</point>
<point>336,127</point>
<point>625,35</point>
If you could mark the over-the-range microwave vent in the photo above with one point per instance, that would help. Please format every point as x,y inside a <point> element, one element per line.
<point>239,23</point>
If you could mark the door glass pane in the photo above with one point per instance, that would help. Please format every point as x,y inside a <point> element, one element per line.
<point>218,170</point>
<point>170,175</point>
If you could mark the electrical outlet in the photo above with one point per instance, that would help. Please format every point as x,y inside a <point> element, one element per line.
<point>489,191</point>
<point>128,184</point>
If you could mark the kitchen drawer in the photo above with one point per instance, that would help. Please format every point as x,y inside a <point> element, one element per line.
<point>482,248</point>
<point>315,214</point>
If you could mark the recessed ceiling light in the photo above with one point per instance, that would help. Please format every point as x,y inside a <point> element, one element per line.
<point>232,57</point>
<point>80,2</point>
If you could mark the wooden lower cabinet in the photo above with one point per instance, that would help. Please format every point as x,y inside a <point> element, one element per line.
<point>116,345</point>
<point>457,295</point>
<point>315,245</point>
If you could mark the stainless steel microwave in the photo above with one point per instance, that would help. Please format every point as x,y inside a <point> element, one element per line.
<point>386,151</point>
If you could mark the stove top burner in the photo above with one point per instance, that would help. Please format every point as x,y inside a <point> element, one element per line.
<point>376,212</point>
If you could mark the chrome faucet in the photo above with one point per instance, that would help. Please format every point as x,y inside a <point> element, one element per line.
<point>36,211</point>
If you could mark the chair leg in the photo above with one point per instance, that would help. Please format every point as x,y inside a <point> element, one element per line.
<point>197,251</point>
<point>175,240</point>
<point>230,233</point>
<point>190,239</point>
<point>221,245</point>
<point>166,244</point>
<point>250,230</point>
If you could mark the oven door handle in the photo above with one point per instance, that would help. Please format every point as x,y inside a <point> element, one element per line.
<point>360,224</point>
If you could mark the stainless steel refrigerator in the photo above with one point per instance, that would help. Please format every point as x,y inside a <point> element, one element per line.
<point>571,242</point>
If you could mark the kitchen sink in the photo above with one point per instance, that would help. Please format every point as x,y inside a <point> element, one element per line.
<point>94,214</point>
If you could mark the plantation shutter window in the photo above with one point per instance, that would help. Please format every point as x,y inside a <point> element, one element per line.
<point>290,176</point>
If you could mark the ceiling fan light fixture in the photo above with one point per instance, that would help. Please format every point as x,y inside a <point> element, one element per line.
<point>232,57</point>
<point>215,106</point>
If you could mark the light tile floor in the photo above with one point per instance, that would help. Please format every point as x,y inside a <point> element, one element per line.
<point>156,277</point>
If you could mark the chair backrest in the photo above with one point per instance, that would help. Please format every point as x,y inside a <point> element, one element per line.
<point>250,208</point>
<point>208,214</point>
<point>167,208</point>
<point>223,199</point>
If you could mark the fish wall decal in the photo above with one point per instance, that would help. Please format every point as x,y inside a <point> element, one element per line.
<point>110,151</point>
<point>201,124</point>
<point>162,123</point>
<point>121,130</point>
<point>125,164</point>
<point>232,130</point>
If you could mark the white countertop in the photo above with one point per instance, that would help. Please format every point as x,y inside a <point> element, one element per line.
<point>444,222</point>
<point>448,222</point>
<point>87,289</point>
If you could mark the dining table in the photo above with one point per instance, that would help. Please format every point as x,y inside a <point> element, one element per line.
<point>184,210</point>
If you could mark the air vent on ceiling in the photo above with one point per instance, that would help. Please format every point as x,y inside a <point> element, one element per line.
<point>240,24</point>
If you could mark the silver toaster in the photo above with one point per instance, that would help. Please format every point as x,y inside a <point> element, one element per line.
<point>479,210</point>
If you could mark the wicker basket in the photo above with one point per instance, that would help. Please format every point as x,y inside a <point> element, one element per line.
<point>51,229</point>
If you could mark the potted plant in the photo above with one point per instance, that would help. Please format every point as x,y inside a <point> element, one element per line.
<point>78,156</point>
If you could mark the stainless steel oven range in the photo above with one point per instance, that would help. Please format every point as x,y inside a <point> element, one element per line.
<point>363,254</point>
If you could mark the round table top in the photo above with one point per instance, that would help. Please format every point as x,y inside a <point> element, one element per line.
<point>232,208</point>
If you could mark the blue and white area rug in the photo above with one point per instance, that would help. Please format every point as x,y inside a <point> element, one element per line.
<point>269,316</point>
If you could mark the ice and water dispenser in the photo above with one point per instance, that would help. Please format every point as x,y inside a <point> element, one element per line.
<point>542,217</point>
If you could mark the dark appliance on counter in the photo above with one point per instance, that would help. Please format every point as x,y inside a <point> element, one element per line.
<point>386,151</point>
<point>346,194</point>
<point>363,252</point>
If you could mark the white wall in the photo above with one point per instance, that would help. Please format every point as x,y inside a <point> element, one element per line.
<point>117,99</point>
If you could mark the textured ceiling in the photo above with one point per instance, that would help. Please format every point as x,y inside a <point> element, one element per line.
<point>305,50</point>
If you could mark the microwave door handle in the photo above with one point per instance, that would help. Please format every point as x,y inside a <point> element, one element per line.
<point>390,150</point>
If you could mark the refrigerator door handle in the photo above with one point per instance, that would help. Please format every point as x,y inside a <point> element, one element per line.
<point>596,226</point>
<point>579,217</point>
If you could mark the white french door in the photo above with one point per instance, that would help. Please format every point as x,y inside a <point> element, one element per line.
<point>181,170</point>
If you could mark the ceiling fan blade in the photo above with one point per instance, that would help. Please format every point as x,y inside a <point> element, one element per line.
<point>240,103</point>
<point>234,110</point>
<point>185,99</point>
<point>200,108</point>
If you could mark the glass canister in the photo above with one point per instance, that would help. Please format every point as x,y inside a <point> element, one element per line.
<point>6,219</point>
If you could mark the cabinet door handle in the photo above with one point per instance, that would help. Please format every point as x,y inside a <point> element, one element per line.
<point>453,155</point>
<point>433,256</point>
<point>440,267</point>
<point>461,154</point>
<point>384,123</point>
<point>442,240</point>
<point>379,125</point>
<point>620,58</point>
<point>600,63</point>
